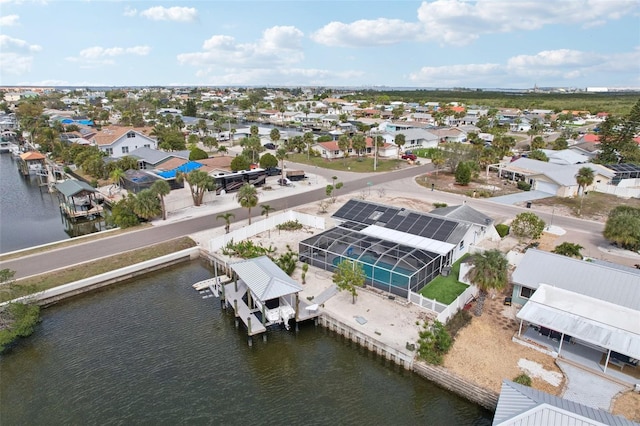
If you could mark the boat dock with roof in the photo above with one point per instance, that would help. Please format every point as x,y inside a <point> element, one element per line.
<point>262,295</point>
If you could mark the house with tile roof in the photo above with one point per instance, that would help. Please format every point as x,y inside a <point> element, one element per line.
<point>119,141</point>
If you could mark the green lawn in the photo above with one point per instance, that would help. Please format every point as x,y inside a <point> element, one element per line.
<point>446,289</point>
<point>353,164</point>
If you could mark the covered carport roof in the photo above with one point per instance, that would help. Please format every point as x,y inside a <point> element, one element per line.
<point>264,278</point>
<point>594,321</point>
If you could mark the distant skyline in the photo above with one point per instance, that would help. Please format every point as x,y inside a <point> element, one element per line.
<point>443,43</point>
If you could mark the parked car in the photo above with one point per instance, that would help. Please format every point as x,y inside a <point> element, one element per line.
<point>284,182</point>
<point>411,157</point>
<point>270,145</point>
<point>273,171</point>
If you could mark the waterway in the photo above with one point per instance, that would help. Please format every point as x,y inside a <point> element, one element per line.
<point>30,214</point>
<point>153,351</point>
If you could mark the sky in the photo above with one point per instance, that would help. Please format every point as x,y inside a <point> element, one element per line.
<point>348,43</point>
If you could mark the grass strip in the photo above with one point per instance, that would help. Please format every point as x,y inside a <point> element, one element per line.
<point>74,273</point>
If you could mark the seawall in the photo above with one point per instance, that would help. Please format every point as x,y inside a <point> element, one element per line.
<point>438,375</point>
<point>53,295</point>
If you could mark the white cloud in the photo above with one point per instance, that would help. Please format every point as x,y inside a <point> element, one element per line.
<point>10,43</point>
<point>14,63</point>
<point>560,67</point>
<point>278,46</point>
<point>9,20</point>
<point>460,22</point>
<point>130,11</point>
<point>177,14</point>
<point>100,52</point>
<point>367,32</point>
<point>95,56</point>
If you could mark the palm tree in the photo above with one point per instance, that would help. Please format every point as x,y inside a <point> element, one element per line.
<point>117,176</point>
<point>147,204</point>
<point>266,209</point>
<point>281,154</point>
<point>308,141</point>
<point>248,197</point>
<point>568,249</point>
<point>584,178</point>
<point>227,220</point>
<point>161,188</point>
<point>489,272</point>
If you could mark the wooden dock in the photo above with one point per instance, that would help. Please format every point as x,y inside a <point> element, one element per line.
<point>242,311</point>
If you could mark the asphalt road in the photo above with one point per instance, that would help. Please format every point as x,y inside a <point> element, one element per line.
<point>85,252</point>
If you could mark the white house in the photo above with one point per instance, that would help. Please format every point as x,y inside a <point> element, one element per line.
<point>119,141</point>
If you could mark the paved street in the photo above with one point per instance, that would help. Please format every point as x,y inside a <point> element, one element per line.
<point>400,183</point>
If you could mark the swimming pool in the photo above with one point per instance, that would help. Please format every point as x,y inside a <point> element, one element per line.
<point>381,272</point>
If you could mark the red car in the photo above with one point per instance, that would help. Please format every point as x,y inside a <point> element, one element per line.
<point>411,157</point>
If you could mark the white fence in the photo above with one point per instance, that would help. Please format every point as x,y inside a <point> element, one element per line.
<point>618,191</point>
<point>264,225</point>
<point>444,312</point>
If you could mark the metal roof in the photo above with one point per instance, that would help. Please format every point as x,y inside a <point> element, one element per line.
<point>603,282</point>
<point>416,241</point>
<point>264,278</point>
<point>524,406</point>
<point>601,323</point>
<point>71,187</point>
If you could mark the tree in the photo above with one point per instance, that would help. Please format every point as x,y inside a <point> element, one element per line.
<point>308,141</point>
<point>489,272</point>
<point>438,160</point>
<point>199,182</point>
<point>248,197</point>
<point>584,178</point>
<point>161,188</point>
<point>623,227</point>
<point>147,205</point>
<point>198,154</point>
<point>463,173</point>
<point>560,143</point>
<point>122,213</point>
<point>274,135</point>
<point>343,145</point>
<point>527,225</point>
<point>538,143</point>
<point>117,177</point>
<point>240,162</point>
<point>359,143</point>
<point>568,249</point>
<point>538,155</point>
<point>399,140</point>
<point>348,276</point>
<point>268,161</point>
<point>227,220</point>
<point>281,155</point>
<point>266,209</point>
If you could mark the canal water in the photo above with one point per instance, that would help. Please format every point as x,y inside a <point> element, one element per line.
<point>153,351</point>
<point>30,215</point>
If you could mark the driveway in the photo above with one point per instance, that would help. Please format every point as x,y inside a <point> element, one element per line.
<point>521,197</point>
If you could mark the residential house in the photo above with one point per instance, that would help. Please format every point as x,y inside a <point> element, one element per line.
<point>556,179</point>
<point>566,156</point>
<point>416,138</point>
<point>119,141</point>
<point>150,158</point>
<point>524,405</point>
<point>449,134</point>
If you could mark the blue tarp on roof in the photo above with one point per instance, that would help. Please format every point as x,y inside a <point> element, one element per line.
<point>185,168</point>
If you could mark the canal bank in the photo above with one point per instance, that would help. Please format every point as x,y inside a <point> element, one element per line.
<point>327,319</point>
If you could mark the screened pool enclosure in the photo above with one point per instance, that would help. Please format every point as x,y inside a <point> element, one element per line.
<point>389,264</point>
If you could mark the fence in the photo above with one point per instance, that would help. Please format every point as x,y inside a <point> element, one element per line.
<point>403,359</point>
<point>618,191</point>
<point>264,225</point>
<point>444,311</point>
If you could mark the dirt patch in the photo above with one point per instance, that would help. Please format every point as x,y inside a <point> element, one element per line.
<point>627,405</point>
<point>482,186</point>
<point>485,354</point>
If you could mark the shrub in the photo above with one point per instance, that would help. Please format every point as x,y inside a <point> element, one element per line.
<point>290,225</point>
<point>22,319</point>
<point>463,173</point>
<point>435,341</point>
<point>439,205</point>
<point>523,379</point>
<point>94,183</point>
<point>503,230</point>
<point>287,261</point>
<point>246,249</point>
<point>524,186</point>
<point>457,322</point>
<point>197,154</point>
